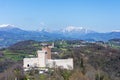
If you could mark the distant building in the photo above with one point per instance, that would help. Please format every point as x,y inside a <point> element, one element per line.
<point>43,60</point>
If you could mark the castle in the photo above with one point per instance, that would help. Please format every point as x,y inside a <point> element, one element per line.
<point>43,60</point>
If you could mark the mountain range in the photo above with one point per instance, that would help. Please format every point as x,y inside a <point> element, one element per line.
<point>9,34</point>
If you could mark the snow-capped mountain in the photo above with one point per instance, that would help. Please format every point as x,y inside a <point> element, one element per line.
<point>9,28</point>
<point>6,25</point>
<point>9,34</point>
<point>116,31</point>
<point>75,32</point>
<point>73,29</point>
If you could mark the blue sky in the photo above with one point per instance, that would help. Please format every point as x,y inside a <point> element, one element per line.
<point>98,15</point>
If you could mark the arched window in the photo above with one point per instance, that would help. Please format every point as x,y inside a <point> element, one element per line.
<point>28,65</point>
<point>45,52</point>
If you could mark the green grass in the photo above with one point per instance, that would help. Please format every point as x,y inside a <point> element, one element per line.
<point>14,56</point>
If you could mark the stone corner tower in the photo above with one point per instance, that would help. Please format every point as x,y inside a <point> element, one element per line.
<point>47,49</point>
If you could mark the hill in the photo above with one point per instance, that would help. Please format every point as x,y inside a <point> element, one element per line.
<point>88,57</point>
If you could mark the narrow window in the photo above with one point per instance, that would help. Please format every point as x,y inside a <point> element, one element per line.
<point>28,65</point>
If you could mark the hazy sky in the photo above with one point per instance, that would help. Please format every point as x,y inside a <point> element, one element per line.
<point>98,15</point>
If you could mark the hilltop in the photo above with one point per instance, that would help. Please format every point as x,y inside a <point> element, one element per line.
<point>88,57</point>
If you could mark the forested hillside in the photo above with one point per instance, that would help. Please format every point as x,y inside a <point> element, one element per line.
<point>92,61</point>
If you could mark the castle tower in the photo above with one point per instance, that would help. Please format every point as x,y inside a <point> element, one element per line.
<point>41,58</point>
<point>47,49</point>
